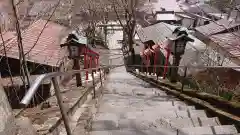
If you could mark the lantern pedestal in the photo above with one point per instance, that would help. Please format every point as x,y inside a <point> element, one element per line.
<point>174,70</point>
<point>78,75</point>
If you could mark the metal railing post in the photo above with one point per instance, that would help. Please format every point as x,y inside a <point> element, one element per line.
<point>183,79</point>
<point>60,103</point>
<point>93,81</point>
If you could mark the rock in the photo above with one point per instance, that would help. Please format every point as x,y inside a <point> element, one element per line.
<point>25,126</point>
<point>45,105</point>
<point>7,122</point>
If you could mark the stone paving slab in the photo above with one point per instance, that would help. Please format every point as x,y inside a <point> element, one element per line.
<point>119,109</point>
<point>146,104</point>
<point>128,124</point>
<point>101,125</point>
<point>179,123</point>
<point>217,130</point>
<point>123,96</point>
<point>135,132</point>
<point>149,115</point>
<point>166,114</point>
<point>225,129</point>
<point>162,131</point>
<point>197,113</point>
<point>107,116</point>
<point>213,130</point>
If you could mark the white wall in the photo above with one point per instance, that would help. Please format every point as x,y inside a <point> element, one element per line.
<point>188,23</point>
<point>112,39</point>
<point>6,14</point>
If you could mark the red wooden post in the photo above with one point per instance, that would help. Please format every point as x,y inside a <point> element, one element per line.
<point>147,63</point>
<point>90,65</point>
<point>142,56</point>
<point>85,59</point>
<point>156,50</point>
<point>87,62</point>
<point>155,62</point>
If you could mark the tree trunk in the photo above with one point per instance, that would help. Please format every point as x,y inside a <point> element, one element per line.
<point>131,48</point>
<point>105,35</point>
<point>133,55</point>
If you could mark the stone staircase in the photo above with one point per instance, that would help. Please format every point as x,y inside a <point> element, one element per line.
<point>128,108</point>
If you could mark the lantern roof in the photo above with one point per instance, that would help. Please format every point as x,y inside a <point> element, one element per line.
<point>82,40</point>
<point>149,42</point>
<point>74,42</point>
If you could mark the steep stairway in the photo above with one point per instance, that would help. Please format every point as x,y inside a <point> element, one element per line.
<point>130,106</point>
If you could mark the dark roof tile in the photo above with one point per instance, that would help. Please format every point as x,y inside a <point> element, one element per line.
<point>216,27</point>
<point>157,32</point>
<point>230,42</point>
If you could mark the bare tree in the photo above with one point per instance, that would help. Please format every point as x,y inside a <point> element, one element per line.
<point>125,11</point>
<point>23,63</point>
<point>226,6</point>
<point>6,15</point>
<point>91,13</point>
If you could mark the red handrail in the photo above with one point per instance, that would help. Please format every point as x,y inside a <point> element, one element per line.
<point>88,59</point>
<point>156,50</point>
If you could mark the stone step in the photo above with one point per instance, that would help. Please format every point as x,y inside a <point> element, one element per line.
<point>151,115</point>
<point>122,109</point>
<point>123,124</point>
<point>166,114</point>
<point>212,130</point>
<point>136,94</point>
<point>145,104</point>
<point>162,131</point>
<point>138,97</point>
<point>176,123</point>
<point>179,123</point>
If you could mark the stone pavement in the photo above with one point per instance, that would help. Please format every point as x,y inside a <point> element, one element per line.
<point>130,106</point>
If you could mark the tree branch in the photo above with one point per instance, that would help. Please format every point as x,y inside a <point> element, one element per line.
<point>45,25</point>
<point>22,59</point>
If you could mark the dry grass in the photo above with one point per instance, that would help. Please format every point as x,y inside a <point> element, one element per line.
<point>222,82</point>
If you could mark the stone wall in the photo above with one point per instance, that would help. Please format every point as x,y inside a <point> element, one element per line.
<point>7,123</point>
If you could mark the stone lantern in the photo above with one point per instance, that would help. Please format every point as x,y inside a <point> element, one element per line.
<point>75,46</point>
<point>177,44</point>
